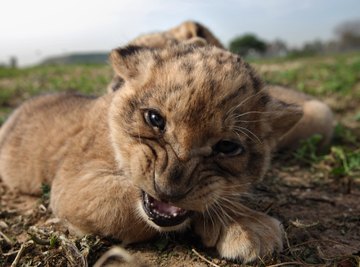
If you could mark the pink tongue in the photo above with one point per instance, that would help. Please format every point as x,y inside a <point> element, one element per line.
<point>165,208</point>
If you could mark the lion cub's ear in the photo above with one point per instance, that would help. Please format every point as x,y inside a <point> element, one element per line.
<point>197,41</point>
<point>131,61</point>
<point>282,117</point>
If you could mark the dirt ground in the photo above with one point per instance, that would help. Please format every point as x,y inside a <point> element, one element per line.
<point>316,199</point>
<point>321,220</point>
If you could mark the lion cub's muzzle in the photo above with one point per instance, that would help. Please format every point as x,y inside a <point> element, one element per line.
<point>162,213</point>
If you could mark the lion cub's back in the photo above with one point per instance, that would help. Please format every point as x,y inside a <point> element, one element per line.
<point>33,140</point>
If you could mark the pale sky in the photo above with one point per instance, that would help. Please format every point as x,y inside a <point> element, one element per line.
<point>32,30</point>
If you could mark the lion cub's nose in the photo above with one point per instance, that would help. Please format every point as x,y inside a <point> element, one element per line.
<point>169,194</point>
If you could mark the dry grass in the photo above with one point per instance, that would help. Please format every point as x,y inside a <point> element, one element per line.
<point>316,196</point>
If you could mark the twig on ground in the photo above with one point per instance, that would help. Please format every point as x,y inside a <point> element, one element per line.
<point>72,253</point>
<point>20,252</point>
<point>286,263</point>
<point>299,224</point>
<point>10,253</point>
<point>39,241</point>
<point>7,239</point>
<point>204,259</point>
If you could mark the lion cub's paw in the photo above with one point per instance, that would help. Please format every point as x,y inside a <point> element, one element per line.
<point>250,238</point>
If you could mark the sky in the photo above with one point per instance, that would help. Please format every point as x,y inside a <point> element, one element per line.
<point>32,30</point>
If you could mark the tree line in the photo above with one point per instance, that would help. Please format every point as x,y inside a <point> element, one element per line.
<point>347,39</point>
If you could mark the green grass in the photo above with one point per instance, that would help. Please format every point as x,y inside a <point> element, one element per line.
<point>23,83</point>
<point>17,85</point>
<point>307,152</point>
<point>318,76</point>
<point>336,77</point>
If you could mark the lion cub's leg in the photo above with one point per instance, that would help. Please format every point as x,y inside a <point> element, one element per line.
<point>246,237</point>
<point>99,202</point>
<point>317,118</point>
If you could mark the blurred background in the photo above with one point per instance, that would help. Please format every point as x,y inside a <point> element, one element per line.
<point>38,31</point>
<point>310,45</point>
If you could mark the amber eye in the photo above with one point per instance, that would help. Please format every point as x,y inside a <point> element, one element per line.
<point>154,119</point>
<point>228,148</point>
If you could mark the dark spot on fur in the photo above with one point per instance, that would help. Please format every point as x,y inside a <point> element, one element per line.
<point>176,87</point>
<point>147,92</point>
<point>190,82</point>
<point>148,162</point>
<point>213,85</point>
<point>129,50</point>
<point>228,98</point>
<point>221,61</point>
<point>158,60</point>
<point>132,106</point>
<point>117,83</point>
<point>264,100</point>
<point>257,82</point>
<point>187,67</point>
<point>183,52</point>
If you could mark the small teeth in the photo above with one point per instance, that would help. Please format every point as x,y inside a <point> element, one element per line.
<point>155,213</point>
<point>164,215</point>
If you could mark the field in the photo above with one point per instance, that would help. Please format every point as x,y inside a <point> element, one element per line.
<point>315,194</point>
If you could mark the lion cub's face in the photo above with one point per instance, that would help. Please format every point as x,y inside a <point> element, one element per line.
<point>192,127</point>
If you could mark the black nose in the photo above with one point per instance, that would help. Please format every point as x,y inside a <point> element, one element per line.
<point>168,194</point>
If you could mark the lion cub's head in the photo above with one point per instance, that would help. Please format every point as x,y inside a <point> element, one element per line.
<point>192,128</point>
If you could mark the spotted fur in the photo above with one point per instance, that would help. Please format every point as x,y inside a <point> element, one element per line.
<point>99,154</point>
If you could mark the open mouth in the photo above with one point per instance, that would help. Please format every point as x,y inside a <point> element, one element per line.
<point>161,213</point>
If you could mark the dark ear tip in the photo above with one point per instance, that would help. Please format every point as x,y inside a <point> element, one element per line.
<point>128,50</point>
<point>125,51</point>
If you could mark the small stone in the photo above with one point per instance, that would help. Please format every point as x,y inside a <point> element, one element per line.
<point>52,221</point>
<point>3,225</point>
<point>216,261</point>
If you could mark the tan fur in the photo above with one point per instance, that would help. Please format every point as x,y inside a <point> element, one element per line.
<point>188,32</point>
<point>317,116</point>
<point>98,154</point>
<point>179,34</point>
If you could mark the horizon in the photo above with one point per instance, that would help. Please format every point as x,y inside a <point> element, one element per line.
<point>40,29</point>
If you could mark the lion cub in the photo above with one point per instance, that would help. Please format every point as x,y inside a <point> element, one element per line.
<point>176,146</point>
<point>317,117</point>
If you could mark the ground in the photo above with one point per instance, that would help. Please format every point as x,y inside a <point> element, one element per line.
<point>315,194</point>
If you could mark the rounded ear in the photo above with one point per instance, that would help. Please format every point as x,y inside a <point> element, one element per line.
<point>197,41</point>
<point>131,61</point>
<point>191,29</point>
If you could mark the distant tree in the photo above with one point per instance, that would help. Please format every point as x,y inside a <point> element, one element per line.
<point>314,47</point>
<point>13,62</point>
<point>348,33</point>
<point>245,44</point>
<point>277,48</point>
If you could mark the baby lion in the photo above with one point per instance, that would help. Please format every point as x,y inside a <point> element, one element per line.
<point>188,132</point>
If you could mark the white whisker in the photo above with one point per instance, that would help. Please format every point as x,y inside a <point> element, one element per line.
<point>241,129</point>
<point>244,101</point>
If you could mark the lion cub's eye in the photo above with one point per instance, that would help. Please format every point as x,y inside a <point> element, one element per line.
<point>154,119</point>
<point>228,148</point>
